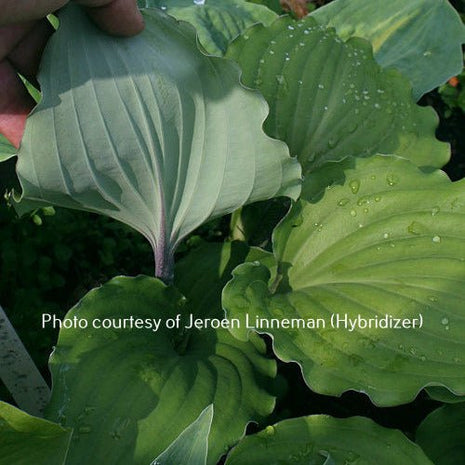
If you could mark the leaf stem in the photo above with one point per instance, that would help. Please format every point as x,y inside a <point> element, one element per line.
<point>164,265</point>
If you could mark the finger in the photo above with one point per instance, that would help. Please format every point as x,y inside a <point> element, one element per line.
<point>15,104</point>
<point>18,11</point>
<point>26,55</point>
<point>117,17</point>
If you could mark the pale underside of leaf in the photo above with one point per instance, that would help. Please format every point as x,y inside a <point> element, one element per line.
<point>217,23</point>
<point>130,393</point>
<point>6,149</point>
<point>329,99</point>
<point>420,38</point>
<point>323,440</point>
<point>191,446</point>
<point>369,238</point>
<point>148,130</point>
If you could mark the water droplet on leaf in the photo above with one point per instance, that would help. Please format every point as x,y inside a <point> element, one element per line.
<point>354,186</point>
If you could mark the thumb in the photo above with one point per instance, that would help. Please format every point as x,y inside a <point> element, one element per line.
<point>116,17</point>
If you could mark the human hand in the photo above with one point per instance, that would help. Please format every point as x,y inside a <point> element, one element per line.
<point>24,31</point>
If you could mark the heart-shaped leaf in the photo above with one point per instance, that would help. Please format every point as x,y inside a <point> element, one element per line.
<point>191,446</point>
<point>217,23</point>
<point>149,131</point>
<point>442,435</point>
<point>26,440</point>
<point>329,99</point>
<point>409,36</point>
<point>323,440</point>
<point>130,393</point>
<point>378,242</point>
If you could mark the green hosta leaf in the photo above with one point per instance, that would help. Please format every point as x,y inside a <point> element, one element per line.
<point>330,99</point>
<point>369,238</point>
<point>130,393</point>
<point>444,395</point>
<point>26,440</point>
<point>149,131</point>
<point>218,22</point>
<point>7,150</point>
<point>442,435</point>
<point>191,446</point>
<point>323,440</point>
<point>421,38</point>
<point>213,264</point>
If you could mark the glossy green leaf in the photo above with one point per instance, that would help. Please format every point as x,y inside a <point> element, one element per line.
<point>191,446</point>
<point>323,440</point>
<point>444,395</point>
<point>370,239</point>
<point>129,393</point>
<point>329,99</point>
<point>7,150</point>
<point>442,435</point>
<point>149,131</point>
<point>26,440</point>
<point>217,23</point>
<point>421,38</point>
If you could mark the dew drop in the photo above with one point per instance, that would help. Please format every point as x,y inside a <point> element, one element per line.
<point>386,235</point>
<point>414,228</point>
<point>363,201</point>
<point>343,202</point>
<point>353,213</point>
<point>291,28</point>
<point>354,186</point>
<point>321,86</point>
<point>392,179</point>
<point>436,239</point>
<point>199,2</point>
<point>435,211</point>
<point>445,321</point>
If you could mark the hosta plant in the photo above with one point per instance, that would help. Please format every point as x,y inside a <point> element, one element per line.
<point>359,279</point>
